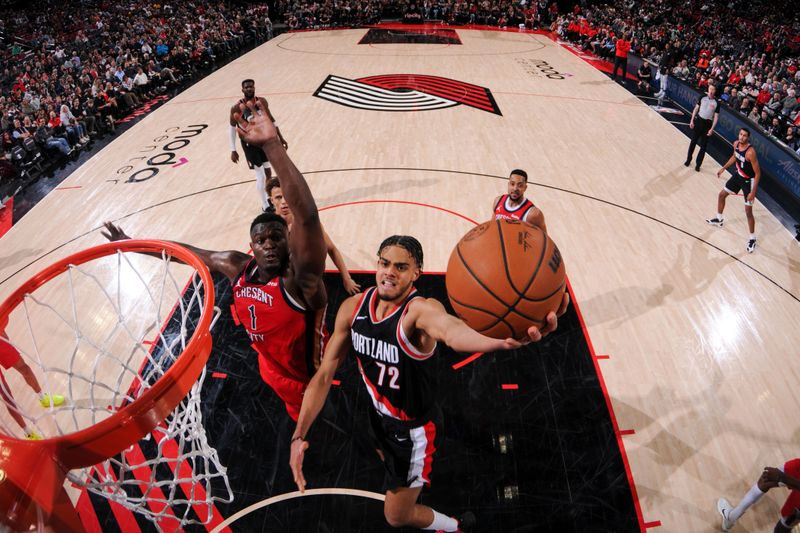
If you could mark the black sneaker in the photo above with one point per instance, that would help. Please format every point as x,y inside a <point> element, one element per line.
<point>714,221</point>
<point>466,522</point>
<point>687,162</point>
<point>751,246</point>
<point>697,168</point>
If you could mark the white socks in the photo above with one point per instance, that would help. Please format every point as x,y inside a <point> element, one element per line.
<point>752,496</point>
<point>442,523</point>
<point>719,216</point>
<point>261,186</point>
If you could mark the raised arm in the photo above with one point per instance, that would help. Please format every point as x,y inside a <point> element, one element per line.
<point>306,241</point>
<point>350,286</point>
<point>274,122</point>
<point>229,263</point>
<point>317,390</point>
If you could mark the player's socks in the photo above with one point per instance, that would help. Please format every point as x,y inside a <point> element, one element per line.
<point>261,186</point>
<point>442,523</point>
<point>752,496</point>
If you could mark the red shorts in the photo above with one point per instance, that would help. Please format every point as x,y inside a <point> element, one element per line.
<point>791,468</point>
<point>289,390</point>
<point>9,356</point>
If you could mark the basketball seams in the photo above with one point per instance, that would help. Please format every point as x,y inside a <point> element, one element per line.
<point>476,278</point>
<point>543,298</point>
<point>498,319</point>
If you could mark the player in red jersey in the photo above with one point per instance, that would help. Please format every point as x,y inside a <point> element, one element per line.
<point>788,476</point>
<point>514,205</point>
<point>279,295</point>
<point>393,333</point>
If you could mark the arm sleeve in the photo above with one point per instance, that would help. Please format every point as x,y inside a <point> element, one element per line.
<point>232,137</point>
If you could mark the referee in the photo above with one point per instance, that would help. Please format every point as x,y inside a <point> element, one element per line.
<point>704,119</point>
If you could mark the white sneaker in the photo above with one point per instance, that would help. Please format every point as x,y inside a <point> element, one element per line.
<point>724,507</point>
<point>751,246</point>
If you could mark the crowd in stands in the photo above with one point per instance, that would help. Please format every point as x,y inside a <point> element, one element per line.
<point>309,14</point>
<point>67,76</point>
<point>749,49</point>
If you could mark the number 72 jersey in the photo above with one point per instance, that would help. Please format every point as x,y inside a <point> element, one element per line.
<point>396,374</point>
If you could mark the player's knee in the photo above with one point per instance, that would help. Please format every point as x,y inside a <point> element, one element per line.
<point>396,516</point>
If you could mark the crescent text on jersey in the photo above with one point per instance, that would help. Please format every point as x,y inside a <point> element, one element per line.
<point>254,293</point>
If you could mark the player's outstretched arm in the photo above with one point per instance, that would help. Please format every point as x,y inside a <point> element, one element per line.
<point>350,286</point>
<point>317,390</point>
<point>430,316</point>
<point>230,263</point>
<point>306,241</point>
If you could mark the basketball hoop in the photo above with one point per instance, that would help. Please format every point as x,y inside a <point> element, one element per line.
<point>83,325</point>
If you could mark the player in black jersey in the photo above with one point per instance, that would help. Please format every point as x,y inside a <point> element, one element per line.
<point>393,332</point>
<point>256,158</point>
<point>745,179</point>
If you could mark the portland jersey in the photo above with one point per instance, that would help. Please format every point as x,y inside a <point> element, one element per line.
<point>743,167</point>
<point>289,339</point>
<point>253,154</point>
<point>395,373</point>
<point>503,209</point>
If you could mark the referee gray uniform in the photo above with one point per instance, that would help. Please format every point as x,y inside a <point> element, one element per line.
<point>705,114</point>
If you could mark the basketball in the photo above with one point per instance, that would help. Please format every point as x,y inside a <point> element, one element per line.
<point>505,276</point>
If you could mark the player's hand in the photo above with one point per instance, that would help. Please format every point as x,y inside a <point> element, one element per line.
<point>235,156</point>
<point>113,233</point>
<point>719,172</point>
<point>770,477</point>
<point>710,133</point>
<point>691,124</point>
<point>298,452</point>
<point>535,334</point>
<point>751,197</point>
<point>350,286</point>
<point>259,130</point>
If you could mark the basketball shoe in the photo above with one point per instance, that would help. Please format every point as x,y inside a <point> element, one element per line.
<point>55,399</point>
<point>466,523</point>
<point>724,507</point>
<point>751,246</point>
<point>33,436</point>
<point>715,221</point>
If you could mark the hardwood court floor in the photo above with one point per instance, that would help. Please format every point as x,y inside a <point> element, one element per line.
<point>700,334</point>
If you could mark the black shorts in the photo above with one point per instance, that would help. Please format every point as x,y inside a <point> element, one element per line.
<point>255,156</point>
<point>407,448</point>
<point>737,183</point>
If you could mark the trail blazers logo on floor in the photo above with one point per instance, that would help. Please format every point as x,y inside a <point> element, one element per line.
<point>405,92</point>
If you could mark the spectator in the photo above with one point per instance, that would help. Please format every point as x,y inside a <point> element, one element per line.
<point>645,76</point>
<point>621,49</point>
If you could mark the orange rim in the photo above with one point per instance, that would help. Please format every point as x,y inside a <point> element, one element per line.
<point>131,423</point>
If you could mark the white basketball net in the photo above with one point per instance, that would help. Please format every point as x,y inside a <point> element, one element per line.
<point>101,334</point>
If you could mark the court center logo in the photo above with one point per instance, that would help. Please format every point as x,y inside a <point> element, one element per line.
<point>405,92</point>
